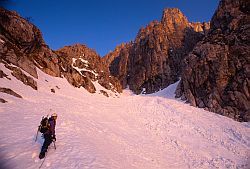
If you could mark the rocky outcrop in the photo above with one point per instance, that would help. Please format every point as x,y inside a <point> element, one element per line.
<point>217,71</point>
<point>82,66</point>
<point>2,100</point>
<point>18,74</point>
<point>200,27</point>
<point>153,60</point>
<point>22,45</point>
<point>10,92</point>
<point>3,75</point>
<point>104,93</point>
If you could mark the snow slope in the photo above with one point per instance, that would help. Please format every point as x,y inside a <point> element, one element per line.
<point>127,132</point>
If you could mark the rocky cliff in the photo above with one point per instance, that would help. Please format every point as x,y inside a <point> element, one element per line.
<point>22,49</point>
<point>84,66</point>
<point>216,74</point>
<point>117,61</point>
<point>153,60</point>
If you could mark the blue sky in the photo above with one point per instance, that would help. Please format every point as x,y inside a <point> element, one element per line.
<point>102,24</point>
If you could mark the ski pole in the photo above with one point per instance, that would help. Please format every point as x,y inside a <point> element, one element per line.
<point>37,133</point>
<point>54,144</point>
<point>42,162</point>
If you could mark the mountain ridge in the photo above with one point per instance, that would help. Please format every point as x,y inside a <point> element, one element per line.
<point>153,59</point>
<point>213,63</point>
<point>22,46</point>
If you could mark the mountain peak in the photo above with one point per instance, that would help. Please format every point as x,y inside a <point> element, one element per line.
<point>173,15</point>
<point>171,10</point>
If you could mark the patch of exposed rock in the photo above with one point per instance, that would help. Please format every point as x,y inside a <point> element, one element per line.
<point>3,75</point>
<point>104,93</point>
<point>27,80</point>
<point>217,71</point>
<point>2,100</point>
<point>10,92</point>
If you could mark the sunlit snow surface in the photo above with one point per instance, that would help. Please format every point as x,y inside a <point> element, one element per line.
<point>130,131</point>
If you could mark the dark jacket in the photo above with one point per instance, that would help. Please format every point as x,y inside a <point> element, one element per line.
<point>52,125</point>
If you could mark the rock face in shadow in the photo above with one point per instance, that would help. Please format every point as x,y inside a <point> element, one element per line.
<point>117,62</point>
<point>153,60</point>
<point>216,74</point>
<point>22,48</point>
